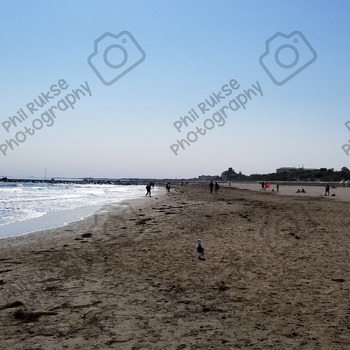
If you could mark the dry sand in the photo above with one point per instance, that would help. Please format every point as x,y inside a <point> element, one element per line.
<point>338,193</point>
<point>276,276</point>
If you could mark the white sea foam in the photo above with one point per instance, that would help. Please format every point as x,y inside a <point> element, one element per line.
<point>24,206</point>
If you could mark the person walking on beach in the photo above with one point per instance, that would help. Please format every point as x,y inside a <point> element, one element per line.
<point>327,190</point>
<point>167,186</point>
<point>148,189</point>
<point>216,187</point>
<point>211,185</point>
<point>278,187</point>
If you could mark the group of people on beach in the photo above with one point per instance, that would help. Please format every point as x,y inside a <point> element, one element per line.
<point>151,185</point>
<point>212,186</point>
<point>216,187</point>
<point>326,193</point>
<point>265,185</point>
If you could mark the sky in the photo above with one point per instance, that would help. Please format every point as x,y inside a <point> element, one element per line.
<point>177,89</point>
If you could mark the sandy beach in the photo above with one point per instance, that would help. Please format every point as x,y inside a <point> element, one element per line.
<point>276,275</point>
<point>336,194</point>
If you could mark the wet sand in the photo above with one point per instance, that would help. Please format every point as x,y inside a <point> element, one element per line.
<point>276,276</point>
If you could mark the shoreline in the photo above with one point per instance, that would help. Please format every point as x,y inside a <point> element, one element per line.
<point>275,276</point>
<point>76,222</point>
<point>59,219</point>
<point>47,221</point>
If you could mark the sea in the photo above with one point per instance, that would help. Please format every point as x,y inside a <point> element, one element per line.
<point>28,207</point>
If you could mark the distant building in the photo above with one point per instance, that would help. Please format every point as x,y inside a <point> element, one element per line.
<point>208,178</point>
<point>310,169</point>
<point>229,175</point>
<point>287,169</point>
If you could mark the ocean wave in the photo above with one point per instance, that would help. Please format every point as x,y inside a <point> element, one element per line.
<point>20,203</point>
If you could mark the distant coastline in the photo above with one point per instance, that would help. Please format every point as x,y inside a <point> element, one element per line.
<point>82,181</point>
<point>160,182</point>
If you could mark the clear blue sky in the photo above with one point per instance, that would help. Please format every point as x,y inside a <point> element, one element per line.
<point>192,48</point>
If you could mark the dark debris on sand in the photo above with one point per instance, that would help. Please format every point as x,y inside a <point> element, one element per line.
<point>31,316</point>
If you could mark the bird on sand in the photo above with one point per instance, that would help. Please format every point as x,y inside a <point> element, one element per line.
<point>199,248</point>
